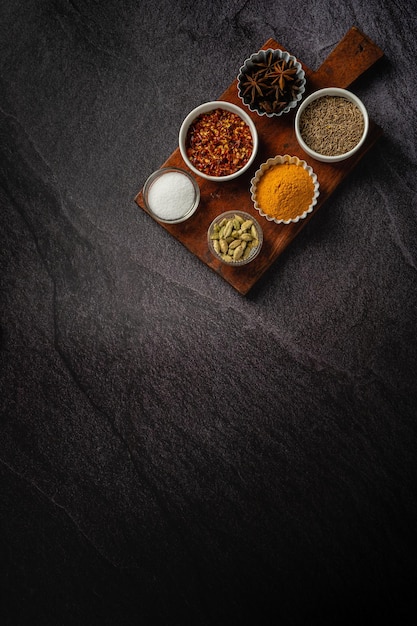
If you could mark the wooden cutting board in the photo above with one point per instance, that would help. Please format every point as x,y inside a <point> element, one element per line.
<point>354,54</point>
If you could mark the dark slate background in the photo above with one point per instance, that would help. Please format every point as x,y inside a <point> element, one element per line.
<point>172,452</point>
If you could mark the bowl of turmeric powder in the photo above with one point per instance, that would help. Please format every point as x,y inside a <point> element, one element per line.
<point>284,189</point>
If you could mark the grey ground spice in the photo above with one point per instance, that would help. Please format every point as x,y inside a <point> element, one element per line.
<point>331,125</point>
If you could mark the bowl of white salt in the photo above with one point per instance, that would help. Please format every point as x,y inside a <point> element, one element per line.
<point>171,195</point>
<point>331,124</point>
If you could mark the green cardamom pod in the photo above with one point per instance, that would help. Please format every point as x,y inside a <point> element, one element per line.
<point>237,253</point>
<point>246,225</point>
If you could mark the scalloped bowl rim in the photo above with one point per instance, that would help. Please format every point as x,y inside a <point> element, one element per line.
<point>287,57</point>
<point>320,93</point>
<point>278,159</point>
<point>205,108</point>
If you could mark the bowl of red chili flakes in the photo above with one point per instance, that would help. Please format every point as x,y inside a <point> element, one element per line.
<point>218,141</point>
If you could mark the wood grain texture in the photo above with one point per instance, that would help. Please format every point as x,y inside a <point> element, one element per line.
<point>354,55</point>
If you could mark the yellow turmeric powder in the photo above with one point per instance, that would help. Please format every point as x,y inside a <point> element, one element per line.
<point>285,191</point>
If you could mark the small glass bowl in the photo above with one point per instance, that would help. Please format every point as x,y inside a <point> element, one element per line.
<point>230,215</point>
<point>165,196</point>
<point>262,57</point>
<point>277,160</point>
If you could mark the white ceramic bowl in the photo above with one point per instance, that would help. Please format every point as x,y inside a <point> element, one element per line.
<point>230,215</point>
<point>331,91</point>
<point>286,158</point>
<point>205,108</point>
<point>262,56</point>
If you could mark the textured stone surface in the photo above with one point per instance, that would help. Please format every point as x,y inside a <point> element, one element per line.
<point>171,452</point>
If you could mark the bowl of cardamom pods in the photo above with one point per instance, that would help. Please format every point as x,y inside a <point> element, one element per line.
<point>235,238</point>
<point>271,82</point>
<point>331,124</point>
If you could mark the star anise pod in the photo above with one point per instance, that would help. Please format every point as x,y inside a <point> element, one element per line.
<point>265,67</point>
<point>281,74</point>
<point>254,85</point>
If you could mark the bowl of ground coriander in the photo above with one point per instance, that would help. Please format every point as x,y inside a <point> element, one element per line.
<point>284,189</point>
<point>218,141</point>
<point>331,125</point>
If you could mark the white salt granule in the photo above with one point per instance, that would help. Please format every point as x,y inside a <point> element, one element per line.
<point>171,196</point>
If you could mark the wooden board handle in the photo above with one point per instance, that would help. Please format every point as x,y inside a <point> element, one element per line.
<point>353,55</point>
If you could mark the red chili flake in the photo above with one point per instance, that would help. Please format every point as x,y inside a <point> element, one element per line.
<point>219,143</point>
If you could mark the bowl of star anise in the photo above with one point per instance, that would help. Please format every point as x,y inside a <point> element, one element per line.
<point>271,82</point>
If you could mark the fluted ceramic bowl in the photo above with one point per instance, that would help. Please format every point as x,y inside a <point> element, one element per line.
<point>269,57</point>
<point>277,160</point>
